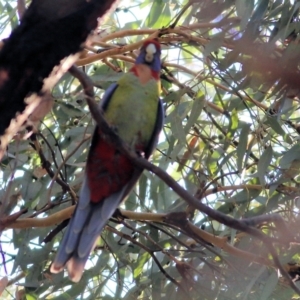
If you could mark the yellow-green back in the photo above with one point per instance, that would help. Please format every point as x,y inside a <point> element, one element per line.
<point>132,109</point>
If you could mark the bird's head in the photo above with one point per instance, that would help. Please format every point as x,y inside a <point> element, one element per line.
<point>150,55</point>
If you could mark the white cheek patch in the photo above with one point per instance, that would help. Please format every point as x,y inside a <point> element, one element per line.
<point>150,51</point>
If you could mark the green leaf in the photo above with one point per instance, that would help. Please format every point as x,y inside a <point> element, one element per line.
<point>269,286</point>
<point>141,264</point>
<point>263,164</point>
<point>244,196</point>
<point>215,43</point>
<point>273,122</point>
<point>290,155</point>
<point>260,11</point>
<point>233,124</point>
<point>242,146</point>
<point>158,6</point>
<point>196,109</point>
<point>31,297</point>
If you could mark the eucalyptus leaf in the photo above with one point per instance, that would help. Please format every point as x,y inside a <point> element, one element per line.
<point>264,163</point>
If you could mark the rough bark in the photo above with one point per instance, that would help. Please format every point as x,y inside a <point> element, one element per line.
<point>50,30</point>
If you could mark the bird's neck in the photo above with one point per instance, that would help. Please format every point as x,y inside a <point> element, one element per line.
<point>144,73</point>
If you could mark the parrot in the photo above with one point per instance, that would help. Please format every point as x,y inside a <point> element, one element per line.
<point>133,109</point>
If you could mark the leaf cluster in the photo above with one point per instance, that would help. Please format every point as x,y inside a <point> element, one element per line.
<point>230,85</point>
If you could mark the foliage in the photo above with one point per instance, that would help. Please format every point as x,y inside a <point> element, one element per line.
<point>231,138</point>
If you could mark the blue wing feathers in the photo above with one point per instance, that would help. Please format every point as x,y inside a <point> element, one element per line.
<point>107,96</point>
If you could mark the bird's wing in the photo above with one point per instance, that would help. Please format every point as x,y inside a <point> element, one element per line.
<point>107,95</point>
<point>83,213</point>
<point>158,127</point>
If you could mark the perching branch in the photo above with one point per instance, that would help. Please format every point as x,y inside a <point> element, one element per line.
<point>241,225</point>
